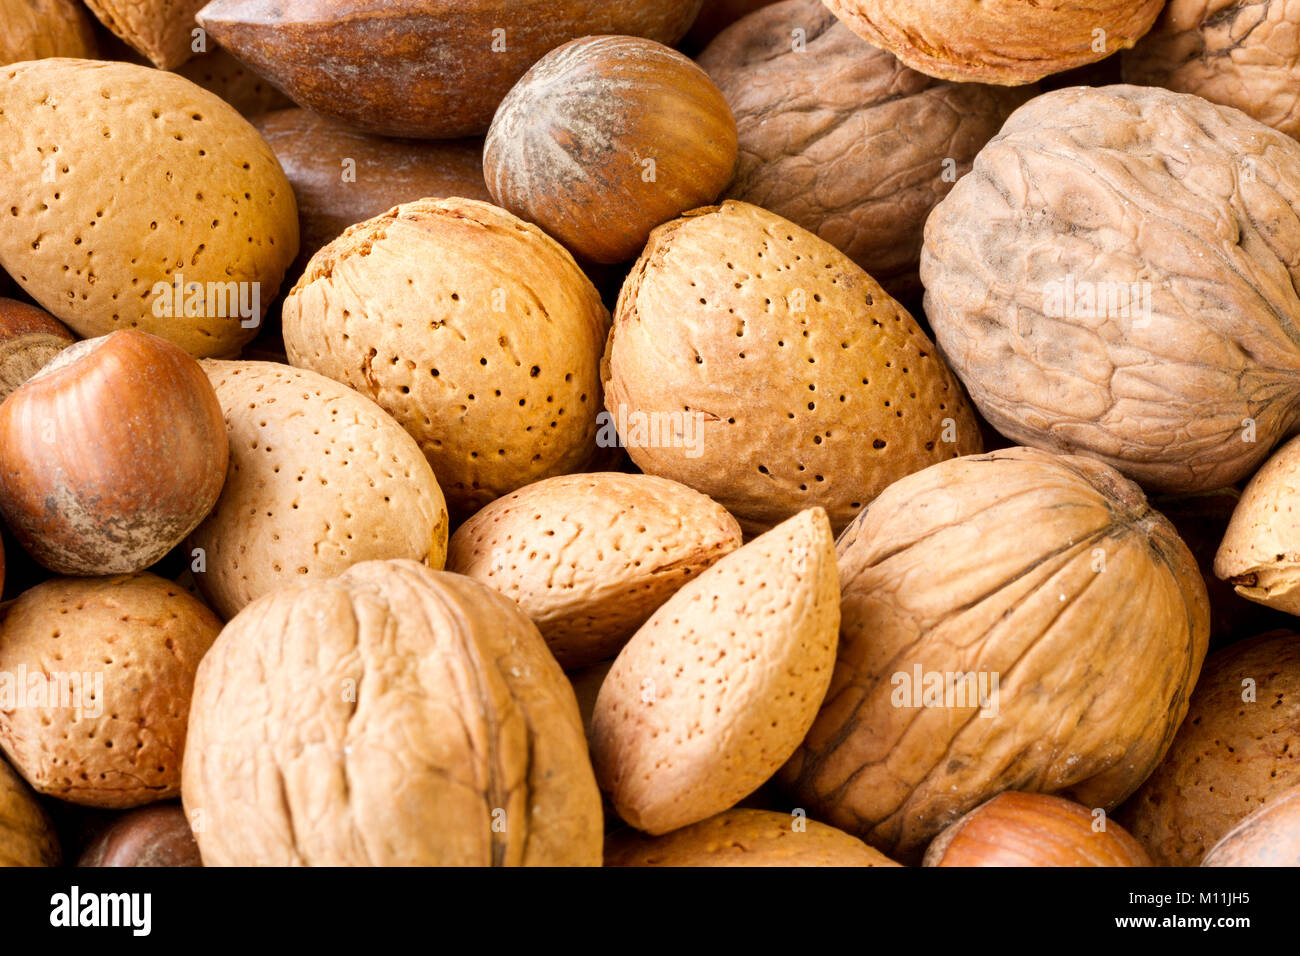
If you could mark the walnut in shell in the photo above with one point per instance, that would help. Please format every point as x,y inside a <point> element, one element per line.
<point>590,557</point>
<point>843,139</point>
<point>320,478</point>
<point>1015,620</point>
<point>475,330</point>
<point>402,716</point>
<point>101,671</point>
<point>1239,53</point>
<point>757,364</point>
<point>1117,278</point>
<point>716,690</point>
<point>1238,748</point>
<point>1009,42</point>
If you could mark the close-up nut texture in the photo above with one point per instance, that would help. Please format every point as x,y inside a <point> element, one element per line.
<point>744,838</point>
<point>29,338</point>
<point>716,690</point>
<point>392,716</point>
<point>1239,53</point>
<point>1062,619</point>
<point>1260,553</point>
<point>1117,278</point>
<point>757,364</point>
<point>153,836</point>
<point>106,668</point>
<point>1268,837</point>
<point>35,29</point>
<point>475,330</point>
<point>27,837</point>
<point>320,479</point>
<point>1238,748</point>
<point>162,30</point>
<point>590,557</point>
<point>843,139</point>
<point>121,187</point>
<point>1010,42</point>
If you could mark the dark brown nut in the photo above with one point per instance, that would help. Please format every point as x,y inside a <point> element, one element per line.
<point>1117,278</point>
<point>590,557</point>
<point>1011,621</point>
<point>29,338</point>
<point>99,673</point>
<point>27,836</point>
<point>1239,53</point>
<point>757,364</point>
<point>842,139</point>
<point>744,838</point>
<point>422,68</point>
<point>35,29</point>
<point>1268,837</point>
<point>716,15</point>
<point>607,137</point>
<point>217,71</point>
<point>341,177</point>
<point>1260,553</point>
<point>1009,42</point>
<point>390,680</point>
<point>1034,829</point>
<point>1238,748</point>
<point>151,836</point>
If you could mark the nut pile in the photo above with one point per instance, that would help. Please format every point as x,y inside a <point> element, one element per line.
<point>649,433</point>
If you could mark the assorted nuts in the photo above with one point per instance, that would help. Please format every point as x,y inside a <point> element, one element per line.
<point>647,433</point>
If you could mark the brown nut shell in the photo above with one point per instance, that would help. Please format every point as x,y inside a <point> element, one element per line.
<point>112,453</point>
<point>716,690</point>
<point>391,716</point>
<point>841,138</point>
<point>1260,553</point>
<point>1015,620</point>
<point>420,68</point>
<point>1116,278</point>
<point>123,182</point>
<point>1239,53</point>
<point>27,836</point>
<point>36,29</point>
<point>151,836</point>
<point>320,479</point>
<point>1034,829</point>
<point>590,557</point>
<point>162,30</point>
<point>29,338</point>
<point>1238,748</point>
<point>1009,42</point>
<point>757,364</point>
<point>607,137</point>
<point>742,837</point>
<point>1268,837</point>
<point>217,71</point>
<point>474,329</point>
<point>101,671</point>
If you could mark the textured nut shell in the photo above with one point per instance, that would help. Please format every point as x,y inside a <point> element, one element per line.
<point>1009,42</point>
<point>1229,757</point>
<point>744,838</point>
<point>113,452</point>
<point>590,557</point>
<point>145,635</point>
<point>457,711</point>
<point>475,330</point>
<point>1239,53</point>
<point>1125,185</point>
<point>1033,829</point>
<point>320,479</point>
<point>160,29</point>
<point>737,662</point>
<point>569,145</point>
<point>27,837</point>
<point>1260,553</point>
<point>35,29</point>
<point>1268,837</point>
<point>985,565</point>
<point>716,15</point>
<point>842,139</point>
<point>217,71</point>
<point>813,386</point>
<point>207,199</point>
<point>29,337</point>
<point>151,836</point>
<point>423,68</point>
<point>315,152</point>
